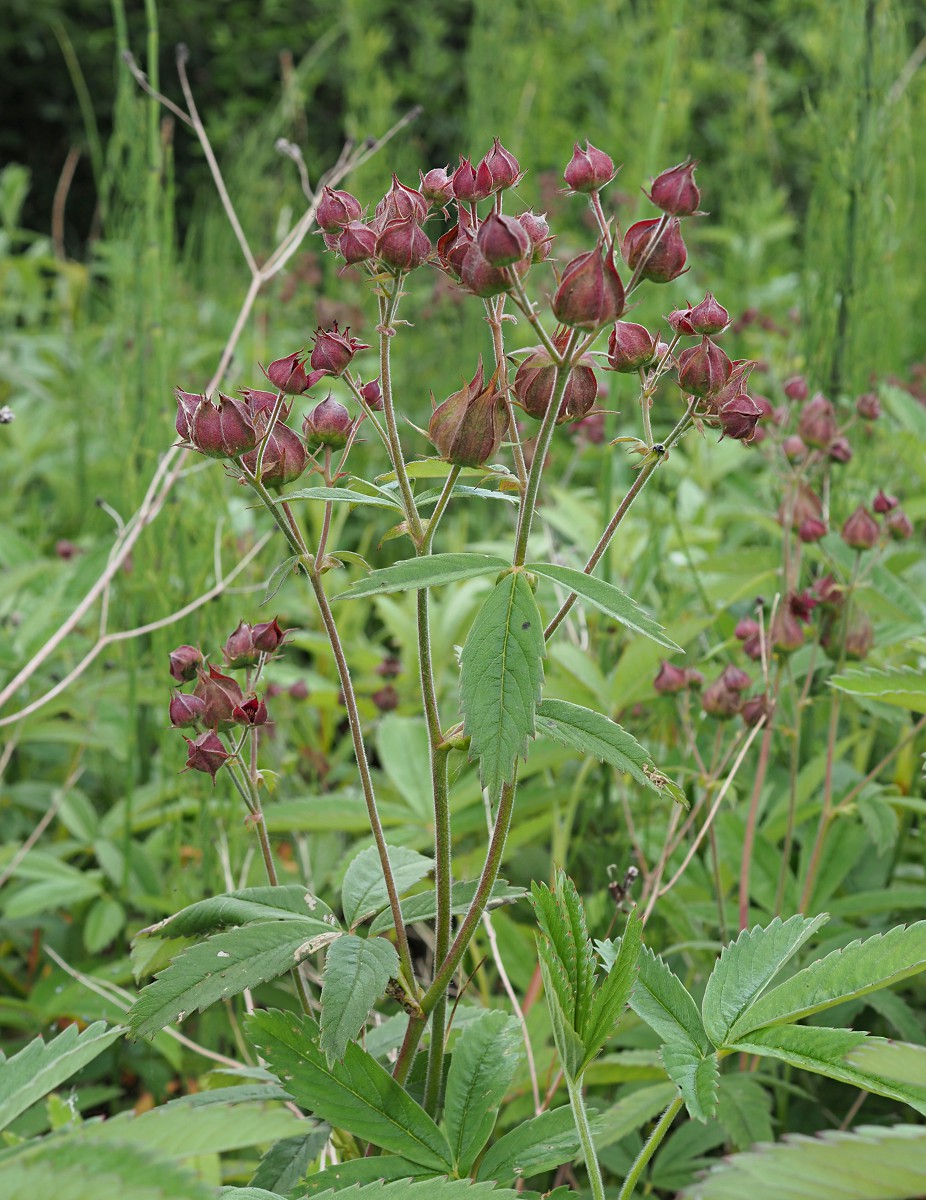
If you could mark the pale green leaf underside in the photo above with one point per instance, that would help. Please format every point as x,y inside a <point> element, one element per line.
<point>423,905</point>
<point>363,892</point>
<point>357,971</point>
<point>607,598</point>
<point>900,686</point>
<point>666,1005</point>
<point>871,1163</point>
<point>695,1077</point>
<point>357,1094</point>
<point>485,1057</point>
<point>590,732</point>
<point>40,1067</point>
<point>501,677</point>
<point>746,968</point>
<point>859,968</point>
<point>432,570</point>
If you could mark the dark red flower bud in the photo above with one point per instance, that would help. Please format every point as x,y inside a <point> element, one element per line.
<point>299,690</point>
<point>588,170</point>
<point>801,505</point>
<point>224,430</point>
<point>336,209</point>
<point>828,592</point>
<point>709,316</point>
<point>899,525</point>
<point>883,503</point>
<point>252,711</point>
<point>738,418</point>
<point>187,404</point>
<point>630,348</point>
<point>403,203</point>
<point>261,404</point>
<point>390,667</point>
<point>403,245</point>
<point>802,604</point>
<point>502,240</point>
<point>185,710</point>
<point>437,185</point>
<point>206,753</point>
<point>220,695</point>
<point>480,277</point>
<point>468,427</point>
<point>468,188</point>
<point>694,679</point>
<point>753,710</point>
<point>861,530</point>
<point>357,242</point>
<point>860,636</point>
<point>703,370</point>
<point>720,701</point>
<point>503,168</point>
<point>386,698</point>
<point>268,636</point>
<point>239,649</point>
<point>590,292</point>
<point>786,634</point>
<point>811,530</point>
<point>538,230</point>
<point>452,248</point>
<point>534,380</point>
<point>839,450</point>
<point>675,191</point>
<point>752,647</point>
<point>334,351</point>
<point>746,627</point>
<point>680,322</point>
<point>735,678</point>
<point>868,406</point>
<point>661,262</point>
<point>184,661</point>
<point>590,429</point>
<point>796,388</point>
<point>66,549</point>
<point>670,679</point>
<point>328,424</point>
<point>287,375</point>
<point>817,425</point>
<point>285,458</point>
<point>372,393</point>
<point>794,448</point>
<point>763,404</point>
<point>484,182</point>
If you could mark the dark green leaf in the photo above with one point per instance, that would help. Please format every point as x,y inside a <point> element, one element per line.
<point>285,1165</point>
<point>357,971</point>
<point>695,1076</point>
<point>613,993</point>
<point>666,1005</point>
<point>485,1057</point>
<point>901,686</point>
<point>423,905</point>
<point>286,903</point>
<point>743,1108</point>
<point>363,892</point>
<point>538,1144</point>
<point>432,570</point>
<point>342,495</point>
<point>357,1171</point>
<point>590,732</point>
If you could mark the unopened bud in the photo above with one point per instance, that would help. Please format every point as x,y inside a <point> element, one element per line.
<point>220,695</point>
<point>502,240</point>
<point>287,375</point>
<point>185,710</point>
<point>590,293</point>
<point>334,351</point>
<point>223,430</point>
<point>675,191</point>
<point>328,424</point>
<point>708,316</point>
<point>868,406</point>
<point>538,230</point>
<point>386,698</point>
<point>630,348</point>
<point>861,530</point>
<point>794,447</point>
<point>720,701</point>
<point>437,186</point>
<point>739,416</point>
<point>817,425</point>
<point>372,394</point>
<point>285,458</point>
<point>468,427</point>
<point>899,525</point>
<point>402,245</point>
<point>660,262</point>
<point>184,661</point>
<point>811,530</point>
<point>839,450</point>
<point>588,170</point>
<point>239,649</point>
<point>703,370</point>
<point>357,243</point>
<point>883,503</point>
<point>503,168</point>
<point>670,679</point>
<point>754,710</point>
<point>268,636</point>
<point>336,210</point>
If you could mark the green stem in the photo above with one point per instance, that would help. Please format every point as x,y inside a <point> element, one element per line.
<point>388,304</point>
<point>495,310</point>
<point>580,1116</point>
<point>649,1148</point>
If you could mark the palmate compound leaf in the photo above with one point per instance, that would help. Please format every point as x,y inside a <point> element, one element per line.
<point>363,892</point>
<point>40,1067</point>
<point>432,570</point>
<point>358,1094</point>
<point>857,969</point>
<point>871,1163</point>
<point>747,966</point>
<point>357,971</point>
<point>485,1058</point>
<point>224,965</point>
<point>501,676</point>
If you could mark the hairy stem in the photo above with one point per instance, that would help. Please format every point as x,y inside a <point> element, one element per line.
<point>649,1149</point>
<point>580,1116</point>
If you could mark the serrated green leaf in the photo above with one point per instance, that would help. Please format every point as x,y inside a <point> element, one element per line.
<point>556,988</point>
<point>288,902</point>
<point>429,1189</point>
<point>607,599</point>
<point>431,570</point>
<point>880,820</point>
<point>632,1112</point>
<point>666,1005</point>
<point>436,468</point>
<point>744,1108</point>
<point>284,1166</point>
<point>174,1134</point>
<point>66,1167</point>
<point>859,968</point>
<point>357,971</point>
<point>590,732</point>
<point>40,1067</point>
<point>538,1144</point>
<point>357,1094</point>
<point>249,1193</point>
<point>695,1076</point>
<point>500,680</point>
<point>900,686</point>
<point>423,905</point>
<point>871,1163</point>
<point>485,1058</point>
<point>363,891</point>
<point>747,966</point>
<point>342,495</point>
<point>894,1069</point>
<point>356,1171</point>
<point>224,966</point>
<point>614,991</point>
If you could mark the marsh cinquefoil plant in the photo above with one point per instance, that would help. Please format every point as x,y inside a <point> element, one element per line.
<point>400,1111</point>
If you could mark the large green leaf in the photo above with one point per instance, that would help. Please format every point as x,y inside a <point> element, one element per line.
<point>240,908</point>
<point>423,905</point>
<point>747,966</point>
<point>696,1077</point>
<point>501,676</point>
<point>357,1094</point>
<point>426,1189</point>
<point>872,1163</point>
<point>614,991</point>
<point>224,966</point>
<point>859,968</point>
<point>666,1005</point>
<point>174,1133</point>
<point>607,598</point>
<point>357,1171</point>
<point>284,1166</point>
<point>894,1069</point>
<point>40,1067</point>
<point>538,1144</point>
<point>357,971</point>
<point>343,495</point>
<point>901,686</point>
<point>431,570</point>
<point>485,1057</point>
<point>68,1168</point>
<point>590,732</point>
<point>363,892</point>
